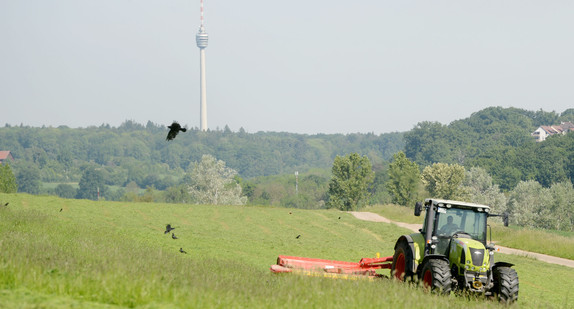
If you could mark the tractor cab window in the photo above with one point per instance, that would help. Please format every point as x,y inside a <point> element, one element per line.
<point>452,220</point>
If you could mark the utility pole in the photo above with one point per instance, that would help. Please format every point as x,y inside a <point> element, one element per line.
<point>296,183</point>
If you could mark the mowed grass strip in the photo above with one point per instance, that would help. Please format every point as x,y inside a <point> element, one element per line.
<point>116,255</point>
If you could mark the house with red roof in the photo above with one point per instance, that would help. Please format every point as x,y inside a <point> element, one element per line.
<point>544,131</point>
<point>5,155</point>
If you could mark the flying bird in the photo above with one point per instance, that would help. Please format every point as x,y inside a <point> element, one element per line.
<point>173,236</point>
<point>168,229</point>
<point>174,130</point>
<point>182,251</point>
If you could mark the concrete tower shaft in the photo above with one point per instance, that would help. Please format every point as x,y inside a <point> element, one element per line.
<point>201,40</point>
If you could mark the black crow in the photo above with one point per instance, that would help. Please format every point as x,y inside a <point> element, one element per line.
<point>182,251</point>
<point>339,218</point>
<point>6,204</point>
<point>174,130</point>
<point>298,236</point>
<point>168,229</point>
<point>61,209</point>
<point>173,236</point>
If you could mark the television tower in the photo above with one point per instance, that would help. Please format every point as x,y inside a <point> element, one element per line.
<point>201,40</point>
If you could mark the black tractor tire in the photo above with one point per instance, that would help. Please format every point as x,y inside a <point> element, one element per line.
<point>402,259</point>
<point>506,284</point>
<point>436,276</point>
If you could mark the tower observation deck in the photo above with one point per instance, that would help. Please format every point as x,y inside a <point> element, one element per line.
<point>201,38</point>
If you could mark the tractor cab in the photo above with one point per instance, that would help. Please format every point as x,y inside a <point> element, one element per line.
<point>450,220</point>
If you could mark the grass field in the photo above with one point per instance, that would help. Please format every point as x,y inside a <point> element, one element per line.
<point>556,243</point>
<point>114,255</point>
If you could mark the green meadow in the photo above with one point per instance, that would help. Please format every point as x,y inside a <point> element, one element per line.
<point>58,253</point>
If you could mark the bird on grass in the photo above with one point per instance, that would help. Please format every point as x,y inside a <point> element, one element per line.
<point>174,130</point>
<point>168,229</point>
<point>182,251</point>
<point>61,209</point>
<point>298,236</point>
<point>339,218</point>
<point>173,236</point>
<point>6,205</point>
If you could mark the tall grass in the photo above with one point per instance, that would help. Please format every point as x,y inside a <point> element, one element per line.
<point>107,254</point>
<point>546,242</point>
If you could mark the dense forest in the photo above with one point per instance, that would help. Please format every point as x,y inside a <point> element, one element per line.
<point>498,140</point>
<point>135,162</point>
<point>137,156</point>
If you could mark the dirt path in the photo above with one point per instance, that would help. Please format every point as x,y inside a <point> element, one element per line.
<point>369,216</point>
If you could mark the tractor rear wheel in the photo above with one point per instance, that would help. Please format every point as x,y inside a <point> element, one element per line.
<point>505,284</point>
<point>436,276</point>
<point>402,261</point>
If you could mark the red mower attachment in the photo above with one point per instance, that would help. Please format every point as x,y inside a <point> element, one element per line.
<point>328,268</point>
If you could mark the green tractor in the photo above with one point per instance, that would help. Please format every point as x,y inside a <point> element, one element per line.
<point>450,252</point>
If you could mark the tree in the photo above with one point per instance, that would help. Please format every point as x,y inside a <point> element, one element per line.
<point>404,180</point>
<point>213,183</point>
<point>65,191</point>
<point>526,201</point>
<point>92,185</point>
<point>7,180</point>
<point>28,178</point>
<point>351,177</point>
<point>481,189</point>
<point>177,194</point>
<point>444,180</point>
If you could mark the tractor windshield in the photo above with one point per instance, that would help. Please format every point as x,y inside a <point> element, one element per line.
<point>468,220</point>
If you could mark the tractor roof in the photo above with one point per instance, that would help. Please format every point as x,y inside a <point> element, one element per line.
<point>455,204</point>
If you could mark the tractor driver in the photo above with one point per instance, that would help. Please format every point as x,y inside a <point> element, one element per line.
<point>449,227</point>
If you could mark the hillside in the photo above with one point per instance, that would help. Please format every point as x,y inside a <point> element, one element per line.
<point>138,153</point>
<point>498,140</point>
<point>135,162</point>
<point>62,253</point>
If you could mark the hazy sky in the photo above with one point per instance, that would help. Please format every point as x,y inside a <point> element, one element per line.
<point>312,66</point>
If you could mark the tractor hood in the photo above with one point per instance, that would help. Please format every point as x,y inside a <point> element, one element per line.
<point>469,254</point>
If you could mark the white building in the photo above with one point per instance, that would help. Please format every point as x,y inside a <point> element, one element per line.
<point>544,131</point>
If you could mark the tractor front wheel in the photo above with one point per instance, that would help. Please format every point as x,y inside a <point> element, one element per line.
<point>505,284</point>
<point>436,276</point>
<point>402,260</point>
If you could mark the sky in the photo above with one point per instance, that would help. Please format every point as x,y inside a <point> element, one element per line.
<point>312,66</point>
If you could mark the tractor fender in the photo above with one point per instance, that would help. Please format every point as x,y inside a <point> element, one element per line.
<point>502,264</point>
<point>411,264</point>
<point>430,257</point>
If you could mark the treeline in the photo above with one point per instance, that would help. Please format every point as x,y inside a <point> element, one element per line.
<point>135,162</point>
<point>139,155</point>
<point>498,140</point>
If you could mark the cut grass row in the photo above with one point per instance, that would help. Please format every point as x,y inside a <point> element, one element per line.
<point>555,243</point>
<point>107,254</point>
